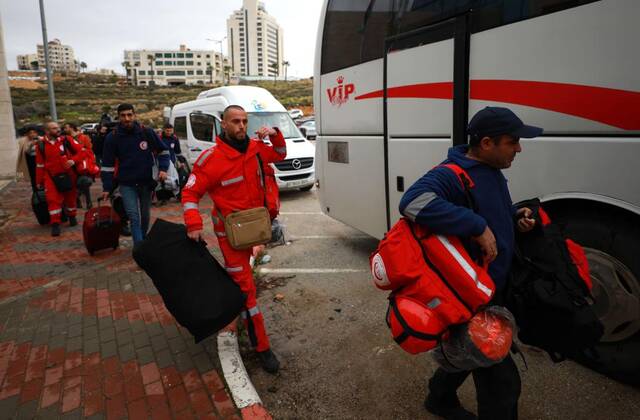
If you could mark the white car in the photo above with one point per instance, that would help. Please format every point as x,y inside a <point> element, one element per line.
<point>296,113</point>
<point>88,127</point>
<point>308,129</point>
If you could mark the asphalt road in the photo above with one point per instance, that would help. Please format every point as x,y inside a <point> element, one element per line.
<point>326,323</point>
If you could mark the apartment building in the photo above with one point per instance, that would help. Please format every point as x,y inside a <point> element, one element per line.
<point>27,62</point>
<point>175,67</point>
<point>61,57</point>
<point>255,41</point>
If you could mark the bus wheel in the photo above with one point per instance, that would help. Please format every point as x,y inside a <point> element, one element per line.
<point>612,244</point>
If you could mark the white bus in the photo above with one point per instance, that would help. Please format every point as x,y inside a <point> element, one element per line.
<point>397,80</point>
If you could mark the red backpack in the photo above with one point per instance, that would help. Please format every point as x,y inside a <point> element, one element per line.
<point>434,281</point>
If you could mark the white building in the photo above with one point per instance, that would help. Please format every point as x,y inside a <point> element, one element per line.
<point>27,62</point>
<point>61,57</point>
<point>255,41</point>
<point>174,67</point>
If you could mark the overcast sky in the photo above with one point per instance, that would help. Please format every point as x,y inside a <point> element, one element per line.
<point>99,31</point>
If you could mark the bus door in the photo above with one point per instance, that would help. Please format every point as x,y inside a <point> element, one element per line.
<point>420,113</point>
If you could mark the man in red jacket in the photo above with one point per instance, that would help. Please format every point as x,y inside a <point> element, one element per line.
<point>230,173</point>
<point>55,158</point>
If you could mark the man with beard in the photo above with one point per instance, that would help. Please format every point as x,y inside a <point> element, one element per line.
<point>55,158</point>
<point>134,147</point>
<point>231,173</point>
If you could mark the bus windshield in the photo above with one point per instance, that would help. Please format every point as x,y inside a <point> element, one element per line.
<point>282,120</point>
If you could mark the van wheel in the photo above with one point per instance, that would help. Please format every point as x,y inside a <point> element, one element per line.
<point>611,240</point>
<point>307,188</point>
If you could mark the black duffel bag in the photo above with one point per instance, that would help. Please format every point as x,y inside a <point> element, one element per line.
<point>62,182</point>
<point>40,207</point>
<point>195,288</point>
<point>551,302</point>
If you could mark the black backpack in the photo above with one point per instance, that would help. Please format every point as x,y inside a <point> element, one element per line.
<point>551,302</point>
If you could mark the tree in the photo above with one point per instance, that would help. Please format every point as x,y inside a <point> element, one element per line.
<point>285,64</point>
<point>127,70</point>
<point>210,72</point>
<point>274,67</point>
<point>83,66</point>
<point>227,73</point>
<point>151,59</point>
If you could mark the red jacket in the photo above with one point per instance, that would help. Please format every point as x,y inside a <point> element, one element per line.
<point>87,162</point>
<point>231,178</point>
<point>56,153</point>
<point>84,140</point>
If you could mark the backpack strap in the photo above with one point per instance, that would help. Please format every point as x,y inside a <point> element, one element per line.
<point>466,182</point>
<point>262,180</point>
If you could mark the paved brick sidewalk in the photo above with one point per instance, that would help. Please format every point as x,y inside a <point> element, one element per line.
<point>85,336</point>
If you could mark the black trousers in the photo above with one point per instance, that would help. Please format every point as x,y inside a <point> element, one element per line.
<point>497,389</point>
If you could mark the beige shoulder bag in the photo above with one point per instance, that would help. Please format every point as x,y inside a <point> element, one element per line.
<point>250,227</point>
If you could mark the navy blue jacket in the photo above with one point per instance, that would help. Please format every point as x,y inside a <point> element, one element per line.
<point>134,152</point>
<point>438,201</point>
<point>173,143</point>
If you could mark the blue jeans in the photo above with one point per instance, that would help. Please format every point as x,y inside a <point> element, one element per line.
<point>137,204</point>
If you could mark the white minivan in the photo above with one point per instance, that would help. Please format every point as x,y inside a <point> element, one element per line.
<point>197,123</point>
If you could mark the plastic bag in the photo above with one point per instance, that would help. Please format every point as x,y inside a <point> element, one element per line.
<point>483,341</point>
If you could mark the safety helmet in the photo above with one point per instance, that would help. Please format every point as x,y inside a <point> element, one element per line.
<point>414,326</point>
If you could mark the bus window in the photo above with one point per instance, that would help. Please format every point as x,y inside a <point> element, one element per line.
<point>487,14</point>
<point>354,32</point>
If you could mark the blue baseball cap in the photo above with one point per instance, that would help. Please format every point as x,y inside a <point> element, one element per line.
<point>495,121</point>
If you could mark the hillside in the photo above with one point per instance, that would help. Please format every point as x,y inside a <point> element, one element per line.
<point>85,98</point>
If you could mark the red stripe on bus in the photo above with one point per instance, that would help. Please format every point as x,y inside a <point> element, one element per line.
<point>442,90</point>
<point>615,107</point>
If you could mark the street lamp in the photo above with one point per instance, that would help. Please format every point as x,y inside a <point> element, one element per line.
<point>219,41</point>
<point>45,44</point>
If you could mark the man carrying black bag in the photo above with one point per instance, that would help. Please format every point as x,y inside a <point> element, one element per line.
<point>55,158</point>
<point>439,201</point>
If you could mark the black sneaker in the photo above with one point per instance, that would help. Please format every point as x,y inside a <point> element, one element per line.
<point>73,221</point>
<point>449,410</point>
<point>55,229</point>
<point>269,361</point>
<point>125,230</point>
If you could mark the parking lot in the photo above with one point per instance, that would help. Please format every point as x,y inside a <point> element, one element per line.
<point>326,323</point>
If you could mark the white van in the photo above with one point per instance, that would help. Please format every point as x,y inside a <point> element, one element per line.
<point>197,123</point>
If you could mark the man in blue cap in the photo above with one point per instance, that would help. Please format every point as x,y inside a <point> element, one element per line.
<point>485,222</point>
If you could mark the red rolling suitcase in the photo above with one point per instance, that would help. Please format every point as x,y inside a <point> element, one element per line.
<point>101,228</point>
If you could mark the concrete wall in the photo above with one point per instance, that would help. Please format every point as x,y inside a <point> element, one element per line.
<point>8,144</point>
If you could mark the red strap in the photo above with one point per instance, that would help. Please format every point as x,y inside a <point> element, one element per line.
<point>544,217</point>
<point>460,173</point>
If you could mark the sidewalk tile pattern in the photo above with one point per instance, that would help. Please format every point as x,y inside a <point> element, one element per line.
<point>85,336</point>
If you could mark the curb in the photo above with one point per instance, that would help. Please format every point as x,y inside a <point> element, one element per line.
<point>242,390</point>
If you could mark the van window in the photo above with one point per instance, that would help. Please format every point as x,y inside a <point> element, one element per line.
<point>180,127</point>
<point>202,126</point>
<point>282,120</point>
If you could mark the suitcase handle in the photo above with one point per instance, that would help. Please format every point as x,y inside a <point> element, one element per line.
<point>100,221</point>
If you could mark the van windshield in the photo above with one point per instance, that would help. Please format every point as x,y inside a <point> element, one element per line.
<point>282,120</point>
